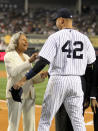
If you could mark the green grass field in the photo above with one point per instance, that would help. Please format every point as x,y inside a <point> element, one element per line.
<point>39,88</point>
<point>2,67</point>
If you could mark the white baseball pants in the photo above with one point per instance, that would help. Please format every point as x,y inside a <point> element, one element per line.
<point>67,90</point>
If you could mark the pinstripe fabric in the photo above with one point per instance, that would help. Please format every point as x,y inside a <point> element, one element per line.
<point>68,52</point>
<point>59,63</point>
<point>67,90</point>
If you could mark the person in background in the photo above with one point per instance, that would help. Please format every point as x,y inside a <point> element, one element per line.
<point>94,95</point>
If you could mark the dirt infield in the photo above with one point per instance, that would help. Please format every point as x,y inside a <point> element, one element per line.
<point>4,117</point>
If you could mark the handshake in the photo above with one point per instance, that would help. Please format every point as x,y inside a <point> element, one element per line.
<point>17,90</point>
<point>17,93</point>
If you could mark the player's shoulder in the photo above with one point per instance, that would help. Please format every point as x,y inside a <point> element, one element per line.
<point>55,34</point>
<point>61,32</point>
<point>81,34</point>
<point>52,36</point>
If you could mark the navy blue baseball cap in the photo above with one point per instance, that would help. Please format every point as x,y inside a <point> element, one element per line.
<point>64,13</point>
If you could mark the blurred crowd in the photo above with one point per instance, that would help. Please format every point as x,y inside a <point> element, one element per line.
<point>39,21</point>
<point>87,23</point>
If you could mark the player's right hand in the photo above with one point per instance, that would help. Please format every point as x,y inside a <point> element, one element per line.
<point>33,57</point>
<point>44,74</point>
<point>94,105</point>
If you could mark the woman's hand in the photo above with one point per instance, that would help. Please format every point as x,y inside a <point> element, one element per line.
<point>33,57</point>
<point>20,83</point>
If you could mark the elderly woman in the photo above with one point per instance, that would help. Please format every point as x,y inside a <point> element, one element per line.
<point>17,63</point>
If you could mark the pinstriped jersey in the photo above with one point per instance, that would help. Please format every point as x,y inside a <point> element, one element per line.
<point>68,52</point>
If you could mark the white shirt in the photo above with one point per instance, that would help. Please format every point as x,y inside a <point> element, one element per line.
<point>16,68</point>
<point>68,52</point>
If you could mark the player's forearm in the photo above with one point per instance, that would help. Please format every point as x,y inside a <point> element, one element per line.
<point>41,63</point>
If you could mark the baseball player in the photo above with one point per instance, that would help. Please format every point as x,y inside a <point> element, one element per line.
<point>68,52</point>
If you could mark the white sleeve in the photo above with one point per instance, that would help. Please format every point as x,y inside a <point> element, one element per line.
<point>91,53</point>
<point>48,51</point>
<point>13,69</point>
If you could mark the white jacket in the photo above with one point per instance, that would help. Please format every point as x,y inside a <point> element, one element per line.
<point>16,68</point>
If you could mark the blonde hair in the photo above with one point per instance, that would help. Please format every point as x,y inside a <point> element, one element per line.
<point>14,41</point>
